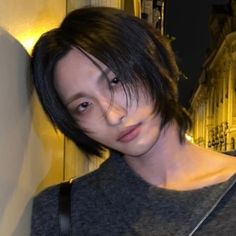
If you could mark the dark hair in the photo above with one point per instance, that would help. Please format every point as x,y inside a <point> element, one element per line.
<point>137,53</point>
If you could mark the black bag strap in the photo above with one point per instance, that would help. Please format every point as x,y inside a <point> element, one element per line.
<point>65,208</point>
<point>222,196</point>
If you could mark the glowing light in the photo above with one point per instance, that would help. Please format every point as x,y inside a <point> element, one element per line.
<point>28,39</point>
<point>28,44</point>
<point>189,138</point>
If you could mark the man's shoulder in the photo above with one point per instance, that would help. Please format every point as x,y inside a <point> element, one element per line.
<point>45,203</point>
<point>50,193</point>
<point>87,180</point>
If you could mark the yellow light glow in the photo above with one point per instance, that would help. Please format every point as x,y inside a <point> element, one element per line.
<point>28,39</point>
<point>189,138</point>
<point>28,44</point>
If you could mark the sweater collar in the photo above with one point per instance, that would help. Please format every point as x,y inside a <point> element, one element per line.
<point>134,198</point>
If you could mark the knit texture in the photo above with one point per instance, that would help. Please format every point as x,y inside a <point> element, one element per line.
<point>114,201</point>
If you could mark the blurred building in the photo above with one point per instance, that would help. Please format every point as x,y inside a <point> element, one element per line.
<point>213,105</point>
<point>153,11</point>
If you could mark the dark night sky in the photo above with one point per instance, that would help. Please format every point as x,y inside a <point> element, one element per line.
<point>187,21</point>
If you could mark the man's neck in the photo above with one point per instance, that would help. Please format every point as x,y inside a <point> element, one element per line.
<point>164,160</point>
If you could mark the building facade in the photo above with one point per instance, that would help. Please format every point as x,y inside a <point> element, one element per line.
<point>213,105</point>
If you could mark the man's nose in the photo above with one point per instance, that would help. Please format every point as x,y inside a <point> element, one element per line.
<point>114,113</point>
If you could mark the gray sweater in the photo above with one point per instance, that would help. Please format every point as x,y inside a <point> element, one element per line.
<point>114,201</point>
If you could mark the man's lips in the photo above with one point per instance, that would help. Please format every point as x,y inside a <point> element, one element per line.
<point>129,133</point>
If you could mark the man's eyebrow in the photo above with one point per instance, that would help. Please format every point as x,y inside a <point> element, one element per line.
<point>74,97</point>
<point>81,94</point>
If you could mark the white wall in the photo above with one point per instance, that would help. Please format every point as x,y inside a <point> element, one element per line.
<point>16,180</point>
<point>31,151</point>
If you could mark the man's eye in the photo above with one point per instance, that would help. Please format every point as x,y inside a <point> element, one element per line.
<point>83,107</point>
<point>114,81</point>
